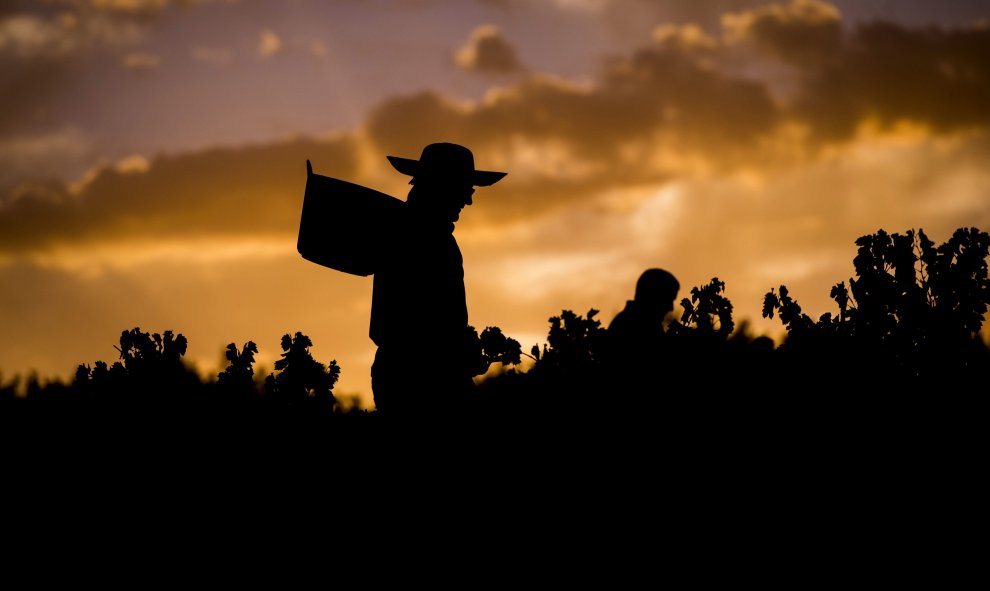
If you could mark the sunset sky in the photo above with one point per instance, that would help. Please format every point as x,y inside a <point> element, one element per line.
<point>152,156</point>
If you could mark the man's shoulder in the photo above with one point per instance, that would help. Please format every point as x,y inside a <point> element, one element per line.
<point>624,316</point>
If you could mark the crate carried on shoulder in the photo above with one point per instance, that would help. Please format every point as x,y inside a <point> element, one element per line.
<point>346,226</point>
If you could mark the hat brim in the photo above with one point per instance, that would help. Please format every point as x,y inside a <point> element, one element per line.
<point>479,178</point>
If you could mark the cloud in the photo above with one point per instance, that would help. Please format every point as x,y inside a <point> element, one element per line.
<point>27,36</point>
<point>61,29</point>
<point>41,49</point>
<point>130,7</point>
<point>135,163</point>
<point>668,110</point>
<point>141,62</point>
<point>41,155</point>
<point>650,115</point>
<point>634,19</point>
<point>804,30</point>
<point>874,71</point>
<point>936,77</point>
<point>30,36</point>
<point>215,56</point>
<point>318,50</point>
<point>582,5</point>
<point>26,90</point>
<point>684,38</point>
<point>242,193</point>
<point>269,43</point>
<point>488,51</point>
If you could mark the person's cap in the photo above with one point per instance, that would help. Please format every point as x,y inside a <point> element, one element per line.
<point>447,162</point>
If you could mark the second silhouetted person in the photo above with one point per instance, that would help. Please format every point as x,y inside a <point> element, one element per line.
<point>636,340</point>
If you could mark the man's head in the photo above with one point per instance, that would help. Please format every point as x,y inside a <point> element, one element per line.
<point>657,288</point>
<point>444,177</point>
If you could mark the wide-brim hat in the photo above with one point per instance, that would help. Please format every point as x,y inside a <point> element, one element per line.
<point>447,162</point>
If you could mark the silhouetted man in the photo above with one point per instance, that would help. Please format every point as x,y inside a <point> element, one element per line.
<point>636,336</point>
<point>419,319</point>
